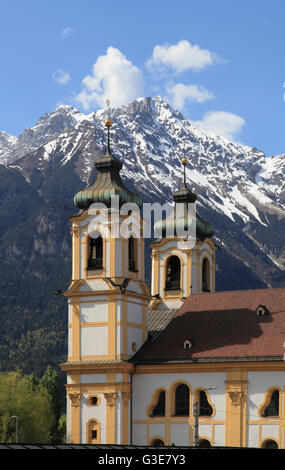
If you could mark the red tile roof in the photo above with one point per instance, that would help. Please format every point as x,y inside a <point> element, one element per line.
<point>223,325</point>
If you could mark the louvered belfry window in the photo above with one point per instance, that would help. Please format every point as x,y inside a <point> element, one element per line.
<point>205,275</point>
<point>95,255</point>
<point>132,254</point>
<point>172,273</point>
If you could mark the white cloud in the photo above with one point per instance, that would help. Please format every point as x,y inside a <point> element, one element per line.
<point>60,76</point>
<point>180,57</point>
<point>222,123</point>
<point>113,77</point>
<point>66,31</point>
<point>179,93</point>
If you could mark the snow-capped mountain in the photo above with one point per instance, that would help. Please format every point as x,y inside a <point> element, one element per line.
<point>239,190</point>
<point>7,142</point>
<point>48,127</point>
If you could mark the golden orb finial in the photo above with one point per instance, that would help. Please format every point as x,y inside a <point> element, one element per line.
<point>184,162</point>
<point>108,124</point>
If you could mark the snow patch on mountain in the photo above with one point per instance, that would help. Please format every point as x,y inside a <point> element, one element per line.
<point>151,138</point>
<point>241,200</point>
<point>234,183</point>
<point>149,135</point>
<point>48,127</point>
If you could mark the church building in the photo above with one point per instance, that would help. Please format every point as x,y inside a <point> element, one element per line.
<point>177,363</point>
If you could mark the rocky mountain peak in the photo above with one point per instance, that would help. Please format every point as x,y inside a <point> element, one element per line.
<point>233,182</point>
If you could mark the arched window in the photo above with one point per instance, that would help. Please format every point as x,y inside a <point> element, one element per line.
<point>172,273</point>
<point>93,432</point>
<point>182,400</point>
<point>204,443</point>
<point>269,444</point>
<point>159,409</point>
<point>157,443</point>
<point>205,408</point>
<point>187,344</point>
<point>132,246</point>
<point>95,251</point>
<point>272,408</point>
<point>206,275</point>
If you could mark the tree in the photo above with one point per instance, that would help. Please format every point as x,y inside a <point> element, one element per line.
<point>61,430</point>
<point>19,396</point>
<point>50,381</point>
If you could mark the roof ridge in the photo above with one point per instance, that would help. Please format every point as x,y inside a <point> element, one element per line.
<point>238,290</point>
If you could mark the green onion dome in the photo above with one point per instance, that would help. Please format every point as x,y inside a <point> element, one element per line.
<point>177,224</point>
<point>108,183</point>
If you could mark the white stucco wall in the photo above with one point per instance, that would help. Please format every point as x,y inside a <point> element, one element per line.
<point>94,341</point>
<point>259,384</point>
<point>258,428</point>
<point>134,336</point>
<point>176,429</point>
<point>118,256</point>
<point>82,261</point>
<point>68,418</point>
<point>93,412</point>
<point>134,313</point>
<point>119,339</point>
<point>69,341</point>
<point>94,312</point>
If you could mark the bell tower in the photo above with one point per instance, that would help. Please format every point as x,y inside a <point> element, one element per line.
<point>183,257</point>
<point>107,301</point>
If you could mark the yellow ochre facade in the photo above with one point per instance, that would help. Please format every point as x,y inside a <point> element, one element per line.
<point>141,361</point>
<point>107,324</point>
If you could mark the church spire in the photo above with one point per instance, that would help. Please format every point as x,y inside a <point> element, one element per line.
<point>184,194</point>
<point>184,162</point>
<point>108,124</point>
<point>108,182</point>
<point>186,265</point>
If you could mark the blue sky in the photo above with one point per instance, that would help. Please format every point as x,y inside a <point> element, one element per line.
<point>221,62</point>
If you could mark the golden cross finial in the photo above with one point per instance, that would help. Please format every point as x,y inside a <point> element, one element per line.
<point>108,124</point>
<point>184,162</point>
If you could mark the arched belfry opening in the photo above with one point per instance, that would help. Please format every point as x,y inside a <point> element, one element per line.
<point>173,273</point>
<point>206,275</point>
<point>95,251</point>
<point>132,248</point>
<point>184,254</point>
